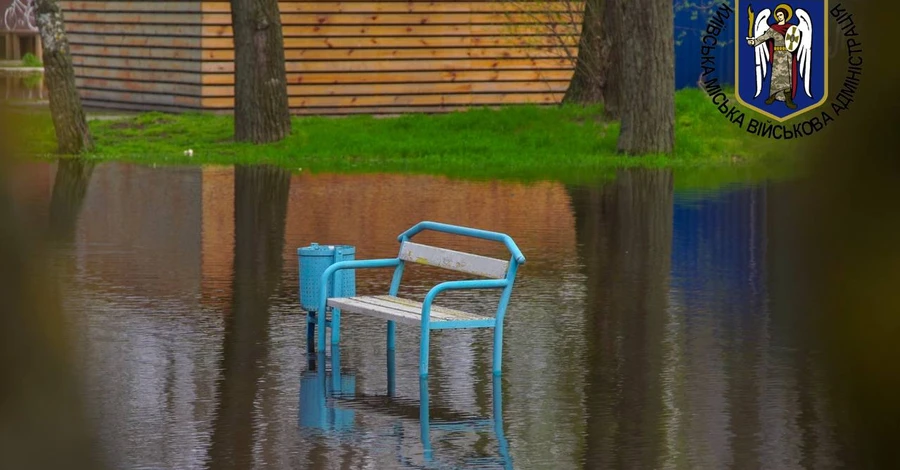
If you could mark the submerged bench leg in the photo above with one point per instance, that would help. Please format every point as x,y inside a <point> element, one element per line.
<point>310,333</point>
<point>391,336</point>
<point>423,352</point>
<point>335,326</point>
<point>498,348</point>
<point>320,344</point>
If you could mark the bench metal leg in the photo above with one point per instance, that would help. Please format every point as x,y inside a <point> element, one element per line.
<point>310,333</point>
<point>423,352</point>
<point>424,422</point>
<point>335,326</point>
<point>320,345</point>
<point>391,374</point>
<point>498,348</point>
<point>391,336</point>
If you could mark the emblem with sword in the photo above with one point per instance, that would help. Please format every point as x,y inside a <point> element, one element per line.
<point>782,51</point>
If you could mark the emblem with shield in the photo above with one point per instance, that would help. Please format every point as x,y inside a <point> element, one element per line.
<point>781,61</point>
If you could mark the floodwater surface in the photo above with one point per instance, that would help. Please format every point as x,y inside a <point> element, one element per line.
<point>647,328</point>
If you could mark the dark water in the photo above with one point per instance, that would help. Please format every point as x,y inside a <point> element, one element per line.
<point>648,328</point>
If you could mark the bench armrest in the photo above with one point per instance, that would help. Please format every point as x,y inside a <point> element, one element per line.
<point>458,285</point>
<point>355,264</point>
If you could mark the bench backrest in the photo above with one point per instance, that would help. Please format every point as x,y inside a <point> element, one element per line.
<point>454,260</point>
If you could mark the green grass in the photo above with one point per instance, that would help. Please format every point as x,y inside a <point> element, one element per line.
<point>31,60</point>
<point>571,144</point>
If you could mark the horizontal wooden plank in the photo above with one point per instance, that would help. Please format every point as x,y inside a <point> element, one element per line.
<point>186,6</point>
<point>413,7</point>
<point>395,54</point>
<point>407,88</point>
<point>137,41</point>
<point>184,89</point>
<point>137,52</point>
<point>134,29</point>
<point>453,260</point>
<point>291,19</point>
<point>140,75</point>
<point>402,42</point>
<point>405,100</point>
<point>399,310</point>
<point>138,63</point>
<point>142,98</point>
<point>438,312</point>
<point>354,305</point>
<point>129,106</point>
<point>375,110</point>
<point>143,17</point>
<point>401,65</point>
<point>409,77</point>
<point>410,30</point>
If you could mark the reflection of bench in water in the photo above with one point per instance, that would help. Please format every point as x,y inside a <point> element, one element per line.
<point>328,401</point>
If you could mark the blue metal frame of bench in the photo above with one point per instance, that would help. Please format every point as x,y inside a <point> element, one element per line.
<point>335,416</point>
<point>506,284</point>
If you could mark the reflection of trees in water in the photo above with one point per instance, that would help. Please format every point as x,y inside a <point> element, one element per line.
<point>624,230</point>
<point>699,370</point>
<point>260,209</point>
<point>73,175</point>
<point>43,422</point>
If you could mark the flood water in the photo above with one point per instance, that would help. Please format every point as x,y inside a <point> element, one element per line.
<point>22,86</point>
<point>646,330</point>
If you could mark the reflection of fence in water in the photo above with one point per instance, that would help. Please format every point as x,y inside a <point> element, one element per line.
<point>19,86</point>
<point>329,402</point>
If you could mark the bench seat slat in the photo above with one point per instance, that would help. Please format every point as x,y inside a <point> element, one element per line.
<point>437,312</point>
<point>454,260</point>
<point>399,310</point>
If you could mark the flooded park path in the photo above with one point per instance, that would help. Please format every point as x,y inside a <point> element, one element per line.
<point>650,327</point>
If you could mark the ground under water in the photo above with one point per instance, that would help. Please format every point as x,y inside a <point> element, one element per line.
<point>649,328</point>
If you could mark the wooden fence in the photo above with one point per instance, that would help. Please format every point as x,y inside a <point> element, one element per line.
<point>347,57</point>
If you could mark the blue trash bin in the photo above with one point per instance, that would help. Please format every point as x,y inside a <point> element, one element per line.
<point>313,260</point>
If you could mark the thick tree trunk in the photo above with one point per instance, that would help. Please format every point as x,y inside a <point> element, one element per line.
<point>595,78</point>
<point>585,86</point>
<point>647,76</point>
<point>72,133</point>
<point>261,112</point>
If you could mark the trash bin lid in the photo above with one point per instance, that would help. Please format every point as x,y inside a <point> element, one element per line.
<point>314,249</point>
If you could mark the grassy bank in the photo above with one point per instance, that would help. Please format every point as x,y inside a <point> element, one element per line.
<point>568,143</point>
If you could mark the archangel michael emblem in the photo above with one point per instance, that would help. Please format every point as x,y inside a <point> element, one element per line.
<point>781,61</point>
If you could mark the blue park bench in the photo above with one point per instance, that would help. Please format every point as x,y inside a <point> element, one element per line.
<point>500,274</point>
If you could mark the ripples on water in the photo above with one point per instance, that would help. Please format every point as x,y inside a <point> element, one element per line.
<point>647,329</point>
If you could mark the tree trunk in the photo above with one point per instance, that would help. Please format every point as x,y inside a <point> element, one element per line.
<point>647,95</point>
<point>261,112</point>
<point>595,80</point>
<point>72,133</point>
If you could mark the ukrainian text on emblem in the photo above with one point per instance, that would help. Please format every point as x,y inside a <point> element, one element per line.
<point>781,65</point>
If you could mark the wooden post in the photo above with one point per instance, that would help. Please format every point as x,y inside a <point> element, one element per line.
<point>7,46</point>
<point>16,47</point>
<point>38,47</point>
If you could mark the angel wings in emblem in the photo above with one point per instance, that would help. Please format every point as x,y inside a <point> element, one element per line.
<point>783,52</point>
